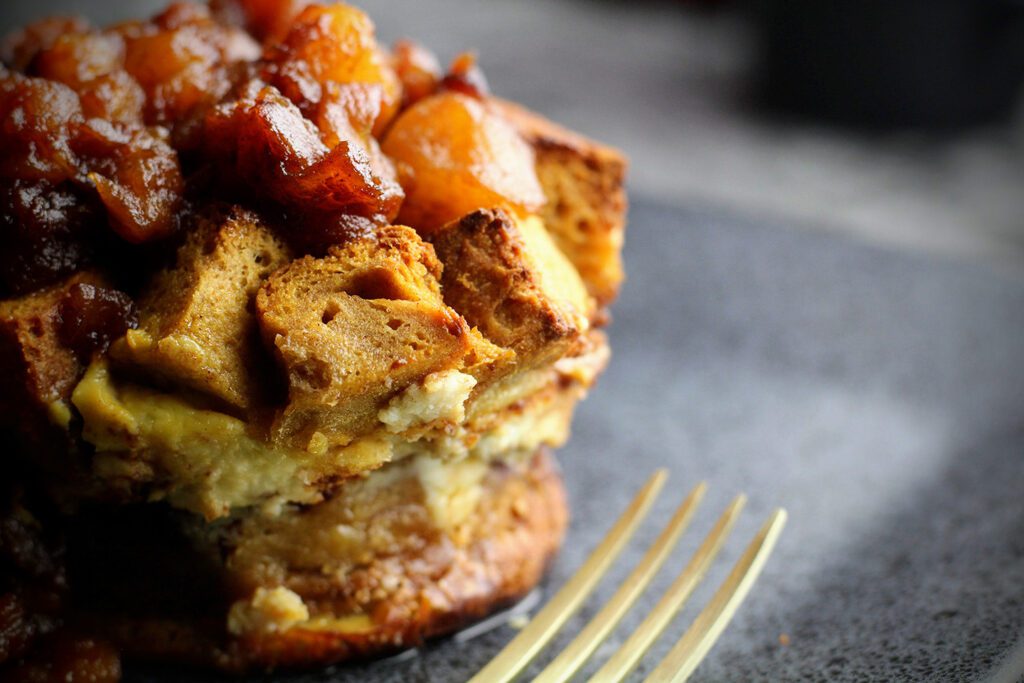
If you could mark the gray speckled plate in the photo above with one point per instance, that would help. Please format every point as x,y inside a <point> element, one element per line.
<point>878,396</point>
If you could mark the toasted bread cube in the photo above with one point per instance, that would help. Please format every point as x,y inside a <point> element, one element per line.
<point>583,182</point>
<point>31,351</point>
<point>353,329</point>
<point>40,370</point>
<point>196,326</point>
<point>509,280</point>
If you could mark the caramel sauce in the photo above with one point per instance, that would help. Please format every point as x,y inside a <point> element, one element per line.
<point>111,137</point>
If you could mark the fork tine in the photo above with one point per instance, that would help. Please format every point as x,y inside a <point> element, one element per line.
<point>583,646</point>
<point>525,646</point>
<point>682,659</point>
<point>627,656</point>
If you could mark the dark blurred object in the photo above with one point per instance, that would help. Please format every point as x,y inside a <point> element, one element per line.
<point>893,63</point>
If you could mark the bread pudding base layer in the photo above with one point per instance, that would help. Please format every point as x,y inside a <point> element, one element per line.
<point>416,550</point>
<point>154,444</point>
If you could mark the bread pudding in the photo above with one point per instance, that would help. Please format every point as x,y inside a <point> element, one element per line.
<point>289,325</point>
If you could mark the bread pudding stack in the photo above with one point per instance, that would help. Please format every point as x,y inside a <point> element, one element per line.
<point>374,364</point>
<point>323,430</point>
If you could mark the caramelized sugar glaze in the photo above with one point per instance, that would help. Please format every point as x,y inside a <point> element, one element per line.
<point>112,135</point>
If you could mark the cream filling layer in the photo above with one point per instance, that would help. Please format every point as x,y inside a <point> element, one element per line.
<point>211,463</point>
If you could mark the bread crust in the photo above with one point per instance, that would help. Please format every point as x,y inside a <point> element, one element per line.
<point>425,581</point>
<point>40,373</point>
<point>196,328</point>
<point>356,327</point>
<point>500,285</point>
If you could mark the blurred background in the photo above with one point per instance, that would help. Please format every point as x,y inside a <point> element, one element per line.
<point>893,120</point>
<point>825,305</point>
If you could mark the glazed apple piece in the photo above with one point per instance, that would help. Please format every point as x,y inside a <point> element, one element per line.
<point>136,175</point>
<point>49,141</point>
<point>18,49</point>
<point>465,76</point>
<point>454,156</point>
<point>265,141</point>
<point>418,70</point>
<point>333,44</point>
<point>182,59</point>
<point>92,64</point>
<point>267,20</point>
<point>345,114</point>
<point>46,234</point>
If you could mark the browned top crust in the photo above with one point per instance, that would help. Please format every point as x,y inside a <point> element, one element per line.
<point>358,326</point>
<point>516,297</point>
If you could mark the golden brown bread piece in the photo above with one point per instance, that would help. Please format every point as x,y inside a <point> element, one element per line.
<point>31,349</point>
<point>583,182</point>
<point>511,283</point>
<point>358,326</point>
<point>196,325</point>
<point>39,370</point>
<point>373,570</point>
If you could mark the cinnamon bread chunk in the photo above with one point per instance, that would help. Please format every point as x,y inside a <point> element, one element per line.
<point>196,324</point>
<point>358,326</point>
<point>43,352</point>
<point>513,284</point>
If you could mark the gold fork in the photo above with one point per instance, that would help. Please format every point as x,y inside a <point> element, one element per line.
<point>684,657</point>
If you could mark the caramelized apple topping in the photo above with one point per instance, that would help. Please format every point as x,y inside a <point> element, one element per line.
<point>454,156</point>
<point>183,59</point>
<point>45,234</point>
<point>56,166</point>
<point>334,44</point>
<point>267,20</point>
<point>417,69</point>
<point>113,137</point>
<point>263,140</point>
<point>18,49</point>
